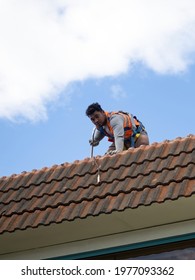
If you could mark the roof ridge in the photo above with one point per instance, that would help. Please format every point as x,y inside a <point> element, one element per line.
<point>98,183</point>
<point>95,171</point>
<point>77,162</point>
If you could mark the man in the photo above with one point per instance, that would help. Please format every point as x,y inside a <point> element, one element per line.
<point>122,129</point>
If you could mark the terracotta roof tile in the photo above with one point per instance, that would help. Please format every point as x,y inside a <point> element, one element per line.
<point>142,176</point>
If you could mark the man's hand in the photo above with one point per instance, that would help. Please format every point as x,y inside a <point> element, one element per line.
<point>93,143</point>
<point>111,152</point>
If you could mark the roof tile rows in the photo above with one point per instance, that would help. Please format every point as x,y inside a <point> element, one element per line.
<point>140,176</point>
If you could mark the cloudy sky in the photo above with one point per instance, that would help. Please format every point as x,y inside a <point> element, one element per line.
<point>59,56</point>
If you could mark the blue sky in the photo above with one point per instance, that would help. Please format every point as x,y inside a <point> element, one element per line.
<point>57,57</point>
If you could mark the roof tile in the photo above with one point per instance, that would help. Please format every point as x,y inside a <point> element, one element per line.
<point>142,176</point>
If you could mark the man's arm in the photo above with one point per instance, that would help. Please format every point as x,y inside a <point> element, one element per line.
<point>97,136</point>
<point>116,122</point>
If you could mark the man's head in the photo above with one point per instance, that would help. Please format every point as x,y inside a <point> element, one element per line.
<point>96,114</point>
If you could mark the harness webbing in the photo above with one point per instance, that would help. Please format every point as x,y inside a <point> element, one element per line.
<point>132,127</point>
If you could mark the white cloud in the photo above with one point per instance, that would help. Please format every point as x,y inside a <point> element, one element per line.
<point>45,45</point>
<point>117,92</point>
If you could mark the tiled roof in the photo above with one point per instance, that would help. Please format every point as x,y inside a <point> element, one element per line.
<point>142,176</point>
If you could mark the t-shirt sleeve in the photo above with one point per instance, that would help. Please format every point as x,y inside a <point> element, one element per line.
<point>116,122</point>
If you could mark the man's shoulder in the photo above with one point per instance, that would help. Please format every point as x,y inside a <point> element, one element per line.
<point>116,115</point>
<point>116,119</point>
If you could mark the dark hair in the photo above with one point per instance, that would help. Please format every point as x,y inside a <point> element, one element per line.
<point>92,108</point>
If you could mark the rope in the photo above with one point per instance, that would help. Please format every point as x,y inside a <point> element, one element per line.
<point>94,159</point>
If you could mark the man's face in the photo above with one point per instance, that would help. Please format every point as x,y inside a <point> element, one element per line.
<point>98,118</point>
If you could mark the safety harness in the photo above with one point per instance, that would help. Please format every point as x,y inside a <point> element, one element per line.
<point>132,128</point>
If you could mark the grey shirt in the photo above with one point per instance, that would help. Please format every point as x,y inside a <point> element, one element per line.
<point>116,122</point>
